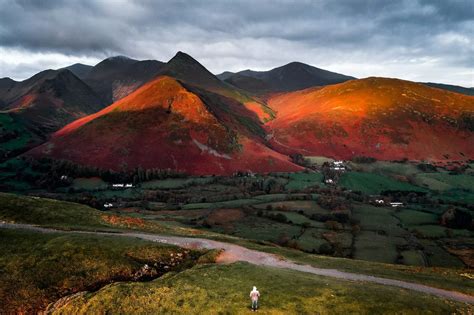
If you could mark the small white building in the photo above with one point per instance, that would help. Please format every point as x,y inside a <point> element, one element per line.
<point>379,201</point>
<point>396,204</point>
<point>108,205</point>
<point>338,166</point>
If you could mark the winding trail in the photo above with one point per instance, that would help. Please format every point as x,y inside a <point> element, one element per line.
<point>232,253</point>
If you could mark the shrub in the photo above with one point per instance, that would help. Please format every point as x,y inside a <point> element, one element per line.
<point>326,249</point>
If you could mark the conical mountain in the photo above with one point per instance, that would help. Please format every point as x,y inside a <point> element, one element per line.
<point>167,126</point>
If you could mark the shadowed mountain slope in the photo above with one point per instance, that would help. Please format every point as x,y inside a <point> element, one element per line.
<point>51,99</point>
<point>116,77</point>
<point>452,88</point>
<point>291,77</point>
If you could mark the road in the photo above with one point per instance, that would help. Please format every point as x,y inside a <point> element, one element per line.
<point>232,253</point>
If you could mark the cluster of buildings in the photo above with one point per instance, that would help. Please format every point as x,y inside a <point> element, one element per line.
<point>338,166</point>
<point>122,185</point>
<point>381,202</point>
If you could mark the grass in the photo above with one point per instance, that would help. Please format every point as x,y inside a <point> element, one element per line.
<point>437,256</point>
<point>9,124</point>
<point>455,195</point>
<point>176,183</point>
<point>92,183</point>
<point>38,268</point>
<point>411,218</point>
<point>309,207</point>
<point>445,278</point>
<point>387,168</point>
<point>224,289</point>
<point>311,240</point>
<point>237,203</point>
<point>255,228</point>
<point>50,212</point>
<point>377,219</point>
<point>445,181</point>
<point>413,258</point>
<point>430,231</point>
<point>271,197</point>
<point>376,247</point>
<point>319,160</point>
<point>374,184</point>
<point>298,219</point>
<point>300,181</point>
<point>128,193</point>
<point>68,215</point>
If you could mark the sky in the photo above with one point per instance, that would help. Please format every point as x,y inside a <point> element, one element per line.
<point>417,40</point>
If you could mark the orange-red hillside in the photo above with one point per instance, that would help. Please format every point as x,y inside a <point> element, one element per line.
<point>383,118</point>
<point>163,125</point>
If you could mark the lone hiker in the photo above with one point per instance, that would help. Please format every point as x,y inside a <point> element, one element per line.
<point>254,295</point>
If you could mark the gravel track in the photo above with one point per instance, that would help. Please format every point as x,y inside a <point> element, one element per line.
<point>232,253</point>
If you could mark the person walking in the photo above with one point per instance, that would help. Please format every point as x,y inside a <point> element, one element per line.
<point>254,295</point>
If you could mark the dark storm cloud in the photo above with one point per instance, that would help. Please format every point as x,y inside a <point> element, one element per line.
<point>421,35</point>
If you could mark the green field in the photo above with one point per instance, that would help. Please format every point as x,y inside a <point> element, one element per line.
<point>300,181</point>
<point>92,183</point>
<point>445,181</point>
<point>175,183</point>
<point>413,258</point>
<point>374,184</point>
<point>318,160</point>
<point>308,207</point>
<point>437,256</point>
<point>311,240</point>
<point>9,124</point>
<point>39,268</point>
<point>378,219</point>
<point>377,247</point>
<point>223,289</point>
<point>411,218</point>
<point>387,168</point>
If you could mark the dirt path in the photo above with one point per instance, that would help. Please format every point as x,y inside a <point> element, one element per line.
<point>233,253</point>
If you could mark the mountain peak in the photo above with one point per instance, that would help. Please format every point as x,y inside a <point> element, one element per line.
<point>183,57</point>
<point>120,58</point>
<point>184,67</point>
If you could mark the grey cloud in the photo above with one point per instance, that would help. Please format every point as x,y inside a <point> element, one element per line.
<point>247,33</point>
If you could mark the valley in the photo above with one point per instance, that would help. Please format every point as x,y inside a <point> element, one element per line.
<point>146,186</point>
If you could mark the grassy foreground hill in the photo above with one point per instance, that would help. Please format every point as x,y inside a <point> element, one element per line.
<point>75,262</point>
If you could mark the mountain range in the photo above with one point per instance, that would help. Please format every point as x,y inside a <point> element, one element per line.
<point>124,113</point>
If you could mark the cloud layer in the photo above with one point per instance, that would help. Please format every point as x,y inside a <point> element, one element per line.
<point>412,39</point>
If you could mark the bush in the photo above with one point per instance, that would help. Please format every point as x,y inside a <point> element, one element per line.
<point>326,249</point>
<point>426,167</point>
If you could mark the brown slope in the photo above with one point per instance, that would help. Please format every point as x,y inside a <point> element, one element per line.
<point>383,118</point>
<point>163,125</point>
